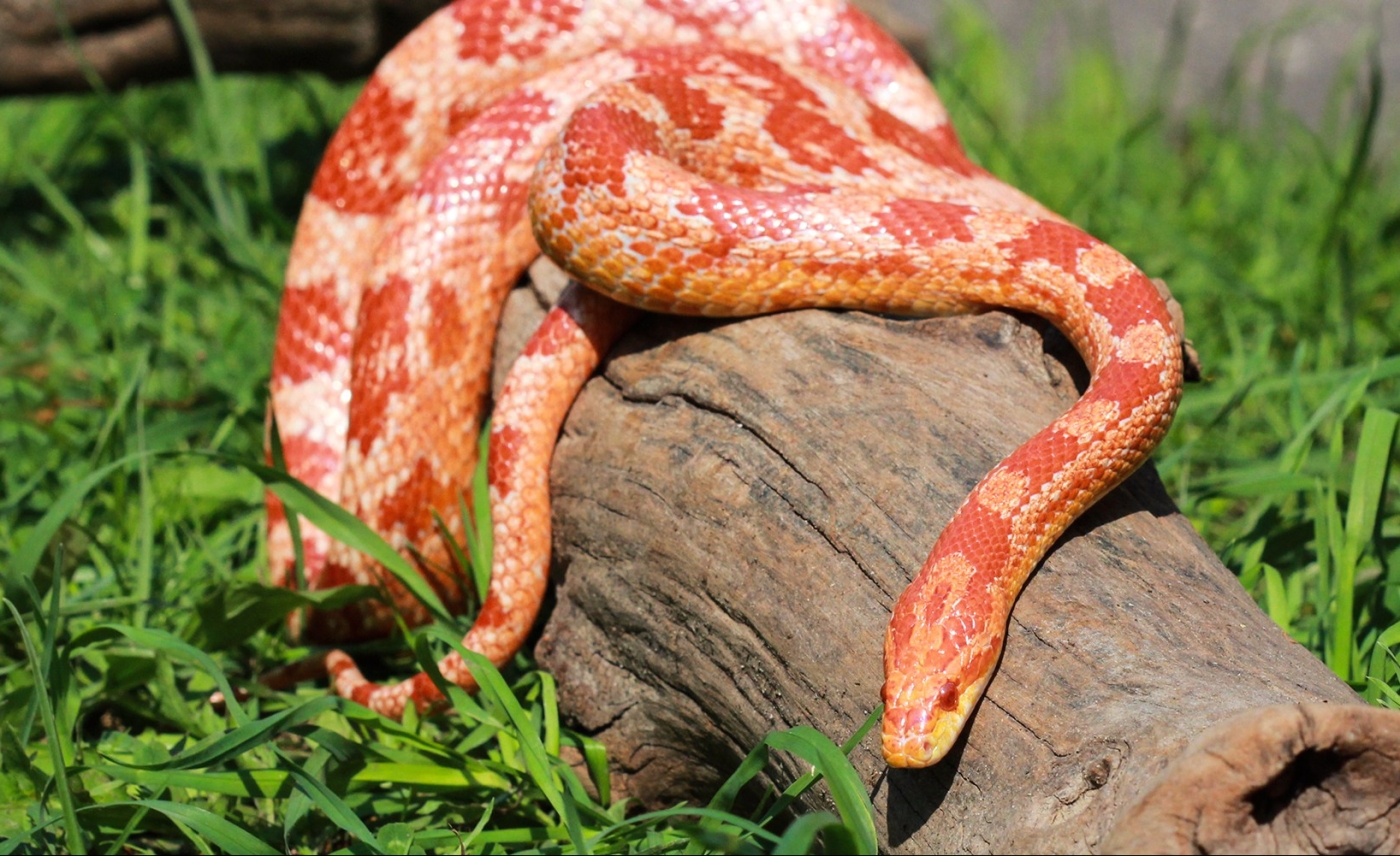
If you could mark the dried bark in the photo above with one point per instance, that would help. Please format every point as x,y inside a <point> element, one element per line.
<point>130,41</point>
<point>1293,778</point>
<point>738,504</point>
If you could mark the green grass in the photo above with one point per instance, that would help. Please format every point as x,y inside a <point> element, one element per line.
<point>144,240</point>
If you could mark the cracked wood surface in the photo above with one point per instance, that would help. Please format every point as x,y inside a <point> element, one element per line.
<point>737,504</point>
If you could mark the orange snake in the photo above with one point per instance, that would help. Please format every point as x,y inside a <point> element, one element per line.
<point>688,156</point>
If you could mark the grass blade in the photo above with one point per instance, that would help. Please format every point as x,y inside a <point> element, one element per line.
<point>345,528</point>
<point>227,836</point>
<point>802,833</point>
<point>72,830</point>
<point>847,790</point>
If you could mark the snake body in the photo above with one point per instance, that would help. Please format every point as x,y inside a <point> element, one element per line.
<point>703,157</point>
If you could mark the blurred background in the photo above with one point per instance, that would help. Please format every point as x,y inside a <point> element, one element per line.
<point>1301,50</point>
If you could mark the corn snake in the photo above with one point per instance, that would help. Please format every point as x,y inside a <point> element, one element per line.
<point>691,157</point>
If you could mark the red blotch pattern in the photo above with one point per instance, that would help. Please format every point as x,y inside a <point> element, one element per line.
<point>601,134</point>
<point>310,332</point>
<point>379,370</point>
<point>1048,241</point>
<point>687,108</point>
<point>812,140</point>
<point>505,440</point>
<point>1127,303</point>
<point>356,175</point>
<point>411,506</point>
<point>447,324</point>
<point>939,146</point>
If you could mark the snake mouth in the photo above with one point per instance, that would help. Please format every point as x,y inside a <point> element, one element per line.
<point>912,737</point>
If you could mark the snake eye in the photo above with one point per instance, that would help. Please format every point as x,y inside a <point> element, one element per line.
<point>947,696</point>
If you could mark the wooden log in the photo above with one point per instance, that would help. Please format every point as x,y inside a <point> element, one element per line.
<point>1290,778</point>
<point>737,505</point>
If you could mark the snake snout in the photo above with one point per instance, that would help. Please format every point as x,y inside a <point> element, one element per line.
<point>914,737</point>
<point>921,730</point>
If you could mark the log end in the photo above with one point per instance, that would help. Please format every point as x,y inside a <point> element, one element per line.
<point>1284,778</point>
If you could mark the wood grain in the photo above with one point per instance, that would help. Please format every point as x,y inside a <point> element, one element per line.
<point>738,504</point>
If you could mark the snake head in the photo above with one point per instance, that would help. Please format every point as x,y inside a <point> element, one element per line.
<point>938,660</point>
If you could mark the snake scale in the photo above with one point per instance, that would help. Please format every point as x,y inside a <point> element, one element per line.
<point>704,157</point>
